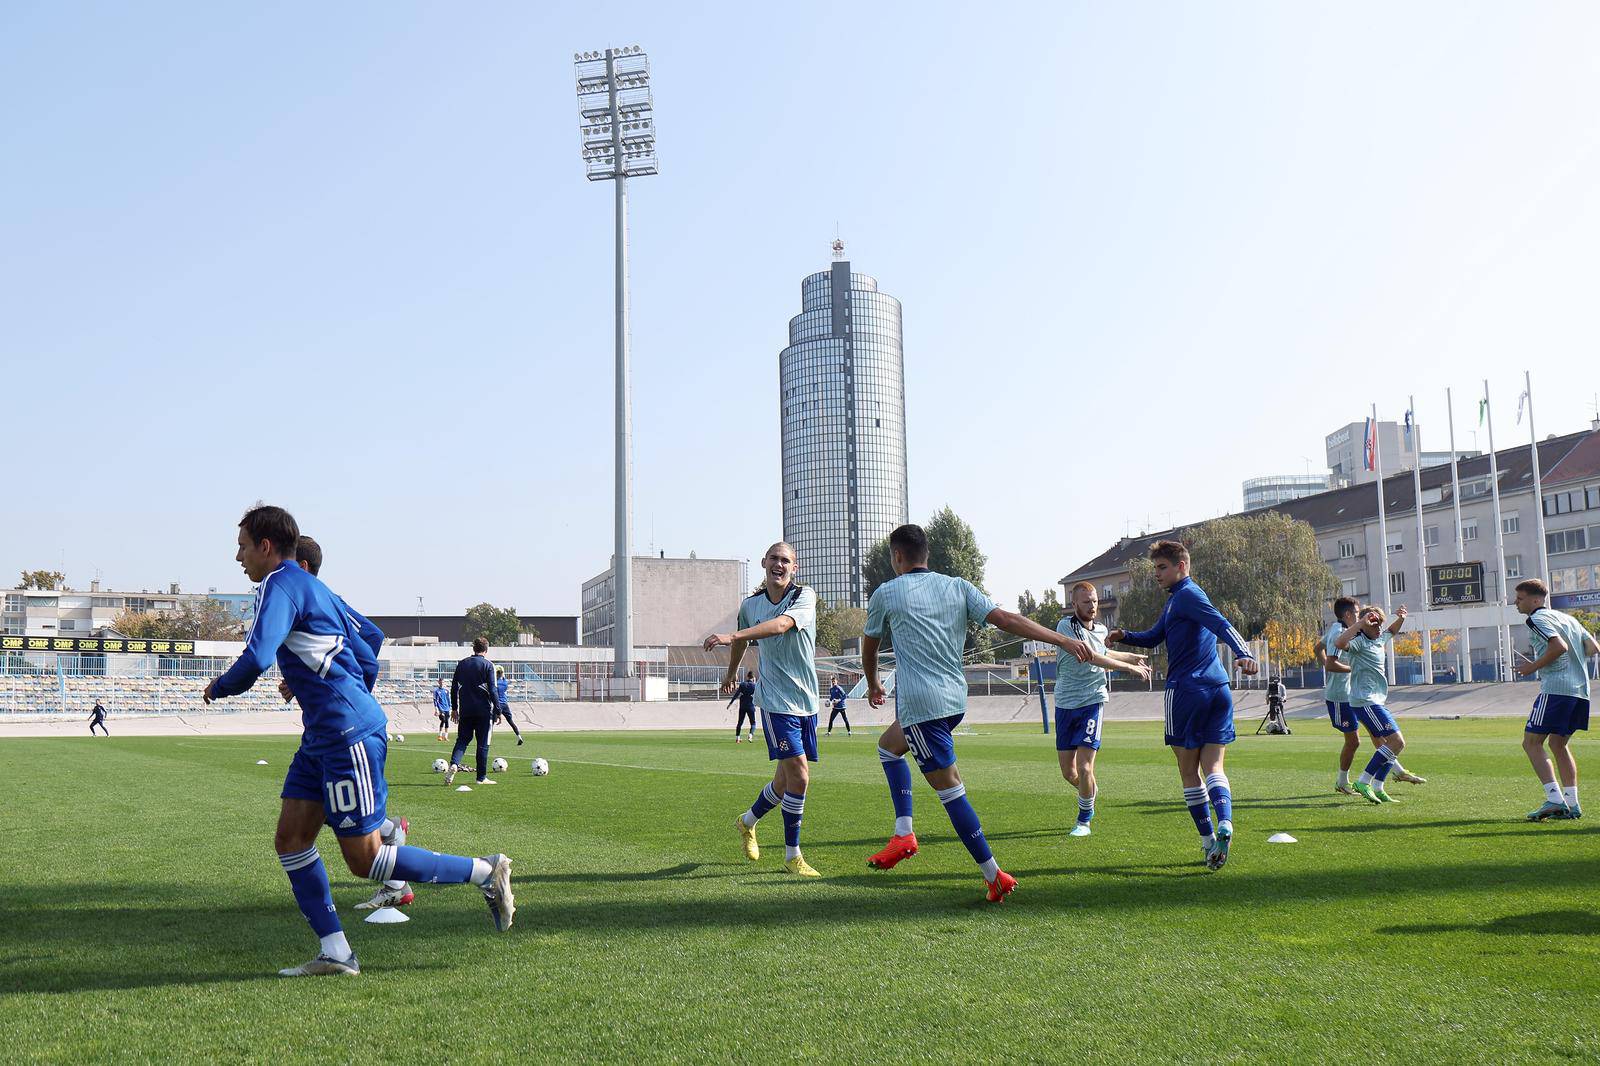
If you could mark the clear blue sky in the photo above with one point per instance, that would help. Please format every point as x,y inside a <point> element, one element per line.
<point>343,258</point>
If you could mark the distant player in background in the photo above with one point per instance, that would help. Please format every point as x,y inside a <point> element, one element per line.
<point>836,698</point>
<point>1336,695</point>
<point>1367,642</point>
<point>1199,702</point>
<point>393,892</point>
<point>1561,647</point>
<point>745,696</point>
<point>336,776</point>
<point>502,705</point>
<point>927,615</point>
<point>782,615</point>
<point>473,696</point>
<point>97,717</point>
<point>441,707</point>
<point>1082,689</point>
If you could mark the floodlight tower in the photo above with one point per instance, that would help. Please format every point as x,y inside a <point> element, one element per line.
<point>616,120</point>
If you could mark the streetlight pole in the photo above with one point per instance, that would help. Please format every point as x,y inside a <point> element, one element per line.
<point>617,123</point>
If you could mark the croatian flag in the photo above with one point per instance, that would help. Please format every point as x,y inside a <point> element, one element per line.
<point>1369,450</point>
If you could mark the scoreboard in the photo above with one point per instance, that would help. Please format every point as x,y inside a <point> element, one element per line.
<point>1455,584</point>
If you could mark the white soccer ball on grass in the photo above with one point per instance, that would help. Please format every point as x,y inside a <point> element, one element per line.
<point>440,766</point>
<point>499,766</point>
<point>399,738</point>
<point>540,768</point>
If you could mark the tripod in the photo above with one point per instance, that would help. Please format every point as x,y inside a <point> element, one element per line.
<point>1274,722</point>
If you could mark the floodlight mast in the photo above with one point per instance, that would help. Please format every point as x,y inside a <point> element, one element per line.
<point>618,137</point>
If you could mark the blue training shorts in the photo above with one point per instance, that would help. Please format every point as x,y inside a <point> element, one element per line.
<point>1078,727</point>
<point>1562,715</point>
<point>1342,717</point>
<point>932,744</point>
<point>346,780</point>
<point>1199,716</point>
<point>789,735</point>
<point>1377,719</point>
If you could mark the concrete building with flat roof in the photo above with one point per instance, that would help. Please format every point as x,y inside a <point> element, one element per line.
<point>675,601</point>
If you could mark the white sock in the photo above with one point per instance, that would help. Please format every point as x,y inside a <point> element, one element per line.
<point>1208,840</point>
<point>394,884</point>
<point>1365,778</point>
<point>790,853</point>
<point>990,868</point>
<point>1552,792</point>
<point>1344,777</point>
<point>1394,765</point>
<point>481,872</point>
<point>387,828</point>
<point>748,819</point>
<point>902,826</point>
<point>335,946</point>
<point>1571,795</point>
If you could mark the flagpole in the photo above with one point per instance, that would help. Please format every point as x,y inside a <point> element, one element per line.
<point>1502,671</point>
<point>1383,534</point>
<point>1465,673</point>
<point>1538,489</point>
<point>1422,547</point>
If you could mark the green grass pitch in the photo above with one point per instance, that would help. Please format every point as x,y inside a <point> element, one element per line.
<point>143,915</point>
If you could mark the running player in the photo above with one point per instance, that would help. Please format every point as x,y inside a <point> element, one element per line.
<point>1561,647</point>
<point>97,717</point>
<point>502,704</point>
<point>745,696</point>
<point>441,707</point>
<point>1199,702</point>
<point>1366,642</point>
<point>337,774</point>
<point>836,698</point>
<point>782,615</point>
<point>927,614</point>
<point>1082,689</point>
<point>308,553</point>
<point>1336,694</point>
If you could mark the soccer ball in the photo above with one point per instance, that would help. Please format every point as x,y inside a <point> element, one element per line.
<point>540,768</point>
<point>399,738</point>
<point>499,766</point>
<point>440,766</point>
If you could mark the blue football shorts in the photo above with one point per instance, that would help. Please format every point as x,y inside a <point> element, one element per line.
<point>346,780</point>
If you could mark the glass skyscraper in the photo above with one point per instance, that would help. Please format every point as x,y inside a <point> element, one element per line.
<point>842,380</point>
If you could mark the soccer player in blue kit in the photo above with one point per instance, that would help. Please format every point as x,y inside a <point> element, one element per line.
<point>1199,702</point>
<point>1561,647</point>
<point>926,615</point>
<point>337,774</point>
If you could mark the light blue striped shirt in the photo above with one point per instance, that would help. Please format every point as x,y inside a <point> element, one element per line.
<point>1081,684</point>
<point>927,616</point>
<point>1369,679</point>
<point>1337,686</point>
<point>787,683</point>
<point>1568,675</point>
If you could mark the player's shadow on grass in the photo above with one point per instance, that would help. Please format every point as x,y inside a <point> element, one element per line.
<point>1564,923</point>
<point>1392,826</point>
<point>925,839</point>
<point>682,871</point>
<point>1526,828</point>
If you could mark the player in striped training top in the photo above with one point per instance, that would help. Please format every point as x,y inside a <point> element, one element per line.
<point>926,615</point>
<point>1336,694</point>
<point>1366,643</point>
<point>1082,689</point>
<point>1561,650</point>
<point>1199,702</point>
<point>782,616</point>
<point>337,774</point>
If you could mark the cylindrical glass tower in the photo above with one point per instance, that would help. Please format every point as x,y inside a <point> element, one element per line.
<point>842,383</point>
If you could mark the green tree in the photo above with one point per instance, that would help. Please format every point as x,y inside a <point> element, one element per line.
<point>141,625</point>
<point>1051,611</point>
<point>878,567</point>
<point>1256,568</point>
<point>204,619</point>
<point>1026,604</point>
<point>43,579</point>
<point>500,626</point>
<point>838,625</point>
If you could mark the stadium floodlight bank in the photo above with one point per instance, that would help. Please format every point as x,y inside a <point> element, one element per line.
<point>617,127</point>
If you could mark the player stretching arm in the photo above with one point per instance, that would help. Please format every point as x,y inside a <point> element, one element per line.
<point>1082,689</point>
<point>1561,649</point>
<point>783,616</point>
<point>1366,642</point>
<point>337,774</point>
<point>927,615</point>
<point>1199,703</point>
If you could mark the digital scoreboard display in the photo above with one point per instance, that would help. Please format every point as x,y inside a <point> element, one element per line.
<point>1454,584</point>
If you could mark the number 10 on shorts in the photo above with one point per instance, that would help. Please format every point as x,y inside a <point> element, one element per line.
<point>341,795</point>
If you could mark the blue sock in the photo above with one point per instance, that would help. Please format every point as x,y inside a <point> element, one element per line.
<point>308,879</point>
<point>1221,797</point>
<point>407,863</point>
<point>1195,798</point>
<point>1378,765</point>
<point>794,808</point>
<point>965,820</point>
<point>1383,771</point>
<point>765,801</point>
<point>1085,809</point>
<point>898,771</point>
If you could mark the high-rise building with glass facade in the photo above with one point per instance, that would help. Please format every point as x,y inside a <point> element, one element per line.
<point>844,429</point>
